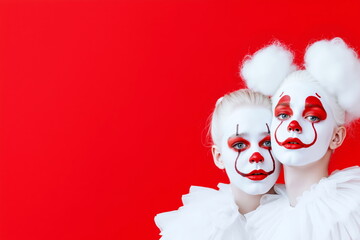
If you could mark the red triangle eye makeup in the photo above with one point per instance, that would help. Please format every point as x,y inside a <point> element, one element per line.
<point>238,143</point>
<point>265,143</point>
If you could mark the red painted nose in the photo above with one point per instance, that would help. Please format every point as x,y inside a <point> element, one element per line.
<point>256,157</point>
<point>295,126</point>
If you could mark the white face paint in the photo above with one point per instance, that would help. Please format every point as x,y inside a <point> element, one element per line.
<point>302,124</point>
<point>246,151</point>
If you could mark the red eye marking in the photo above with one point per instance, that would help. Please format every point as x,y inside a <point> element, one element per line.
<point>283,106</point>
<point>238,144</point>
<point>318,95</point>
<point>265,143</point>
<point>314,109</point>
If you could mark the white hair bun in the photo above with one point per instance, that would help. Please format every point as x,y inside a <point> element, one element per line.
<point>337,68</point>
<point>267,68</point>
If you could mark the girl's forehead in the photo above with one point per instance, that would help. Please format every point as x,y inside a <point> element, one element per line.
<point>300,89</point>
<point>298,92</point>
<point>247,120</point>
<point>247,113</point>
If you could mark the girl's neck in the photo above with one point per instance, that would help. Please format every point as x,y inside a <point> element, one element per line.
<point>300,179</point>
<point>246,202</point>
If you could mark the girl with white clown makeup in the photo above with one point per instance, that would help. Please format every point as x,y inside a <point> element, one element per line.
<point>240,128</point>
<point>310,109</point>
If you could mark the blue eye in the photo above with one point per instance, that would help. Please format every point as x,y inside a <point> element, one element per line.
<point>239,145</point>
<point>266,144</point>
<point>312,118</point>
<point>283,116</point>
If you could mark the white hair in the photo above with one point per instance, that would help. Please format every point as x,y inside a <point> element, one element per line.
<point>331,63</point>
<point>226,105</point>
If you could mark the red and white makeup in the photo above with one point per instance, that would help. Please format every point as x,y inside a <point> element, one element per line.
<point>302,124</point>
<point>246,149</point>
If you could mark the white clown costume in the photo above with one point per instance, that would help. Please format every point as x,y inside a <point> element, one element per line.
<point>330,209</point>
<point>208,214</point>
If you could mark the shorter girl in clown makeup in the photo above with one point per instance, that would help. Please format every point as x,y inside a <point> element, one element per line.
<point>241,146</point>
<point>310,110</point>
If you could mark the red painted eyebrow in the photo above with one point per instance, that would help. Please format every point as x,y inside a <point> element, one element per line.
<point>312,101</point>
<point>284,101</point>
<point>309,105</point>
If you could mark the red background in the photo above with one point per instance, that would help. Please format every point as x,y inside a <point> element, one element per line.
<point>104,104</point>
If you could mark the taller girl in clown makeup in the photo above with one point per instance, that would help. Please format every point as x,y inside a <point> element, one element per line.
<point>305,132</point>
<point>310,110</point>
<point>240,130</point>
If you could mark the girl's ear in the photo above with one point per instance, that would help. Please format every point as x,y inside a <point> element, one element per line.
<point>338,137</point>
<point>217,157</point>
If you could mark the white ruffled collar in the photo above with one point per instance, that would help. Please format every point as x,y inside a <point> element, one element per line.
<point>323,189</point>
<point>207,214</point>
<point>329,210</point>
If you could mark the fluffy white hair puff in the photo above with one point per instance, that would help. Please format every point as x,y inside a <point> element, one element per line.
<point>337,68</point>
<point>267,68</point>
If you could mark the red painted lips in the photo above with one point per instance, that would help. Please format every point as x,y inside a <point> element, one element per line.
<point>257,175</point>
<point>293,143</point>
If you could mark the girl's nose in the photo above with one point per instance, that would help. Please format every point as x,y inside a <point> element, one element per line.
<point>256,157</point>
<point>295,127</point>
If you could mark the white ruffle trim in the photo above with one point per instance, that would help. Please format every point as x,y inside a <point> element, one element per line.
<point>207,214</point>
<point>330,210</point>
